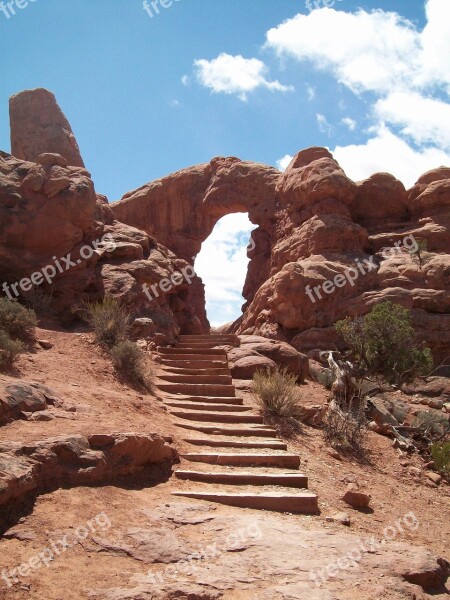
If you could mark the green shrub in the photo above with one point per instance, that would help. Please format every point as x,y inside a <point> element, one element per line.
<point>276,392</point>
<point>9,350</point>
<point>129,360</point>
<point>383,343</point>
<point>440,451</point>
<point>17,321</point>
<point>110,321</point>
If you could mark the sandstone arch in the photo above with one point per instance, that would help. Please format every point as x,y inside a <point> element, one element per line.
<point>313,223</point>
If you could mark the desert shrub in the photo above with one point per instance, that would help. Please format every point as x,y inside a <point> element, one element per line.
<point>110,321</point>
<point>440,452</point>
<point>419,253</point>
<point>276,392</point>
<point>9,350</point>
<point>130,361</point>
<point>432,423</point>
<point>323,376</point>
<point>17,321</point>
<point>383,343</point>
<point>345,427</point>
<point>38,300</point>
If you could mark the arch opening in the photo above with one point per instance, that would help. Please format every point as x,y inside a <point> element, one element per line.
<point>222,264</point>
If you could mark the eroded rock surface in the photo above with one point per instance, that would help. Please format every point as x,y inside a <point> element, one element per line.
<point>29,469</point>
<point>325,247</point>
<point>264,556</point>
<point>315,224</point>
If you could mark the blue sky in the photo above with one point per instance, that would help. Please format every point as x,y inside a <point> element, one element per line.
<point>258,79</point>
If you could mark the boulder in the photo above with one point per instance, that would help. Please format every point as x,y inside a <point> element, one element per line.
<point>275,352</point>
<point>39,126</point>
<point>355,498</point>
<point>19,398</point>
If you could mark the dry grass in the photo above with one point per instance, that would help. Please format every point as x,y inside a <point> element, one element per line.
<point>110,321</point>
<point>278,398</point>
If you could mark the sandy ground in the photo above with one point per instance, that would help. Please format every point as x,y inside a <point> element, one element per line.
<point>82,374</point>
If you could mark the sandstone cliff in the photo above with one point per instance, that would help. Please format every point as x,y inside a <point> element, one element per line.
<point>325,247</point>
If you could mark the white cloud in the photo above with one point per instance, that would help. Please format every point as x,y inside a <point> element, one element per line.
<point>423,119</point>
<point>311,92</point>
<point>283,163</point>
<point>222,264</point>
<point>185,80</point>
<point>406,69</point>
<point>235,75</point>
<point>365,51</point>
<point>434,66</point>
<point>386,152</point>
<point>349,122</point>
<point>323,124</point>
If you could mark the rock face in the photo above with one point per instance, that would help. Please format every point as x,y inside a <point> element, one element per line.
<point>325,247</point>
<point>57,233</point>
<point>316,228</point>
<point>38,125</point>
<point>299,563</point>
<point>72,461</point>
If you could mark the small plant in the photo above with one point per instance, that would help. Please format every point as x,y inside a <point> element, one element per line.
<point>9,350</point>
<point>17,325</point>
<point>440,452</point>
<point>110,320</point>
<point>17,321</point>
<point>383,343</point>
<point>419,252</point>
<point>129,360</point>
<point>276,392</point>
<point>346,425</point>
<point>277,395</point>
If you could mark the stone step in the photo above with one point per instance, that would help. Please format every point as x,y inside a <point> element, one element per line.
<point>214,379</point>
<point>193,389</point>
<point>272,459</point>
<point>217,417</point>
<point>193,359</point>
<point>230,442</point>
<point>196,371</point>
<point>289,500</point>
<point>208,399</point>
<point>199,406</point>
<point>205,345</point>
<point>191,351</point>
<point>236,477</point>
<point>196,364</point>
<point>210,336</point>
<point>248,430</point>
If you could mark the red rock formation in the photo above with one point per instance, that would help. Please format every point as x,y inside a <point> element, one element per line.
<point>314,224</point>
<point>324,246</point>
<point>38,125</point>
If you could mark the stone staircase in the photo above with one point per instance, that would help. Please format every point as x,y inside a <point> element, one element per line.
<point>236,459</point>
